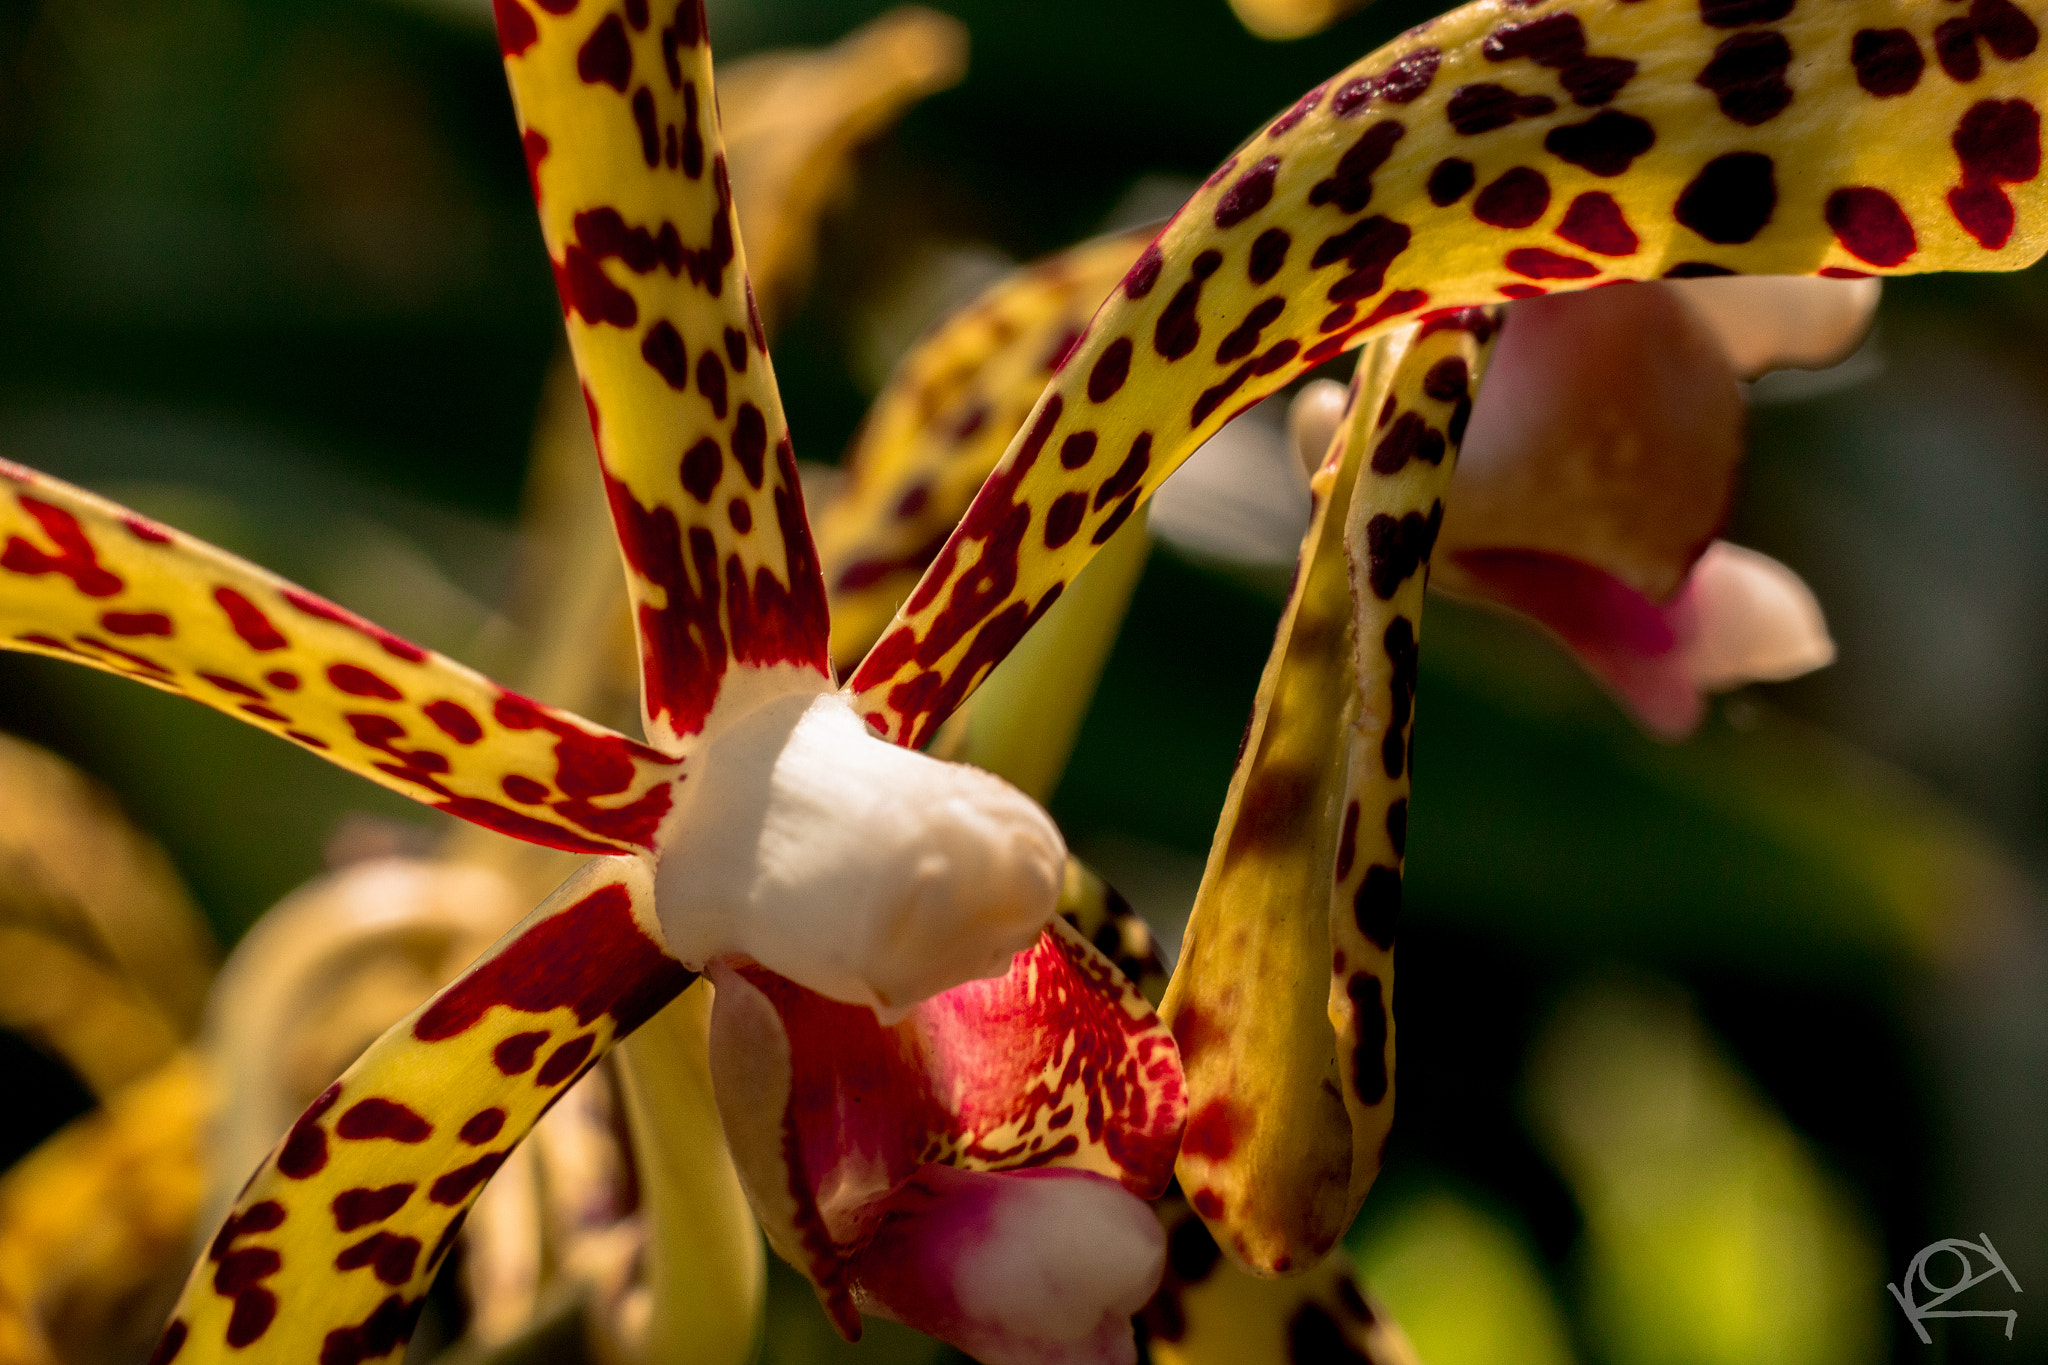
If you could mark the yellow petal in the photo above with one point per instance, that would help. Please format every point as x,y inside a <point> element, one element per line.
<point>619,120</point>
<point>86,580</point>
<point>1455,167</point>
<point>941,423</point>
<point>1209,1312</point>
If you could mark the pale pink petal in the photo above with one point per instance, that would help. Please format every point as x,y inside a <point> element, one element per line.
<point>1630,643</point>
<point>1754,621</point>
<point>1771,322</point>
<point>1608,430</point>
<point>1027,1268</point>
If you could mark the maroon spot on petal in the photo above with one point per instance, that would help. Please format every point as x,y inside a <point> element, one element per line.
<point>663,349</point>
<point>262,712</point>
<point>750,443</point>
<point>2005,28</point>
<point>320,609</point>
<point>1448,380</point>
<point>1268,254</point>
<point>1127,474</point>
<point>711,381</point>
<point>226,684</point>
<point>455,721</point>
<point>255,1310</point>
<point>1347,841</point>
<point>388,1325</point>
<point>360,1207</point>
<point>1178,330</point>
<point>483,1126</point>
<point>361,682</point>
<point>170,1343</point>
<point>142,528</point>
<point>391,1256</point>
<point>643,121</point>
<point>1550,41</point>
<point>563,1061</point>
<point>377,1117</point>
<point>516,29</point>
<point>1303,107</point>
<point>1540,263</point>
<point>1475,109</point>
<point>136,623</point>
<point>1604,144</point>
<point>1518,198</point>
<point>1984,212</point>
<point>1731,199</point>
<point>740,515</point>
<point>514,1056</point>
<point>1999,140</point>
<point>524,790</point>
<point>75,557</point>
<point>1110,370</point>
<point>1207,1202</point>
<point>1736,13</point>
<point>1368,1058</point>
<point>304,1151</point>
<point>1349,185</point>
<point>702,465</point>
<point>1077,450</point>
<point>1405,81</point>
<point>1870,225</point>
<point>1212,1132</point>
<point>1955,47</point>
<point>248,621</point>
<point>1594,221</point>
<point>1252,192</point>
<point>464,1181</point>
<point>1243,339</point>
<point>1393,305</point>
<point>1449,181</point>
<point>1144,273</point>
<point>1747,76</point>
<point>1887,61</point>
<point>1063,518</point>
<point>606,57</point>
<point>1593,81</point>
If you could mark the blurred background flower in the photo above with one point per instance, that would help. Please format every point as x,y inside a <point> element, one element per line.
<point>1699,1043</point>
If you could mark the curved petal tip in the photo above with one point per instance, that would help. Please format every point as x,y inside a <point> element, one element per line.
<point>1754,621</point>
<point>1038,1267</point>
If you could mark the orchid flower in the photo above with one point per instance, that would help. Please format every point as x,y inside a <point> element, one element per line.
<point>1456,168</point>
<point>1600,464</point>
<point>875,918</point>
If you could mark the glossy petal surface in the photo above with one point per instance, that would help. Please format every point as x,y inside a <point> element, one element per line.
<point>1061,1063</point>
<point>620,125</point>
<point>1282,1002</point>
<point>938,427</point>
<point>86,580</point>
<point>330,1248</point>
<point>1497,152</point>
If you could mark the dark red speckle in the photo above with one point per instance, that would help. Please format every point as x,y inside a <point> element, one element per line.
<point>606,57</point>
<point>455,721</point>
<point>396,646</point>
<point>592,958</point>
<point>1887,61</point>
<point>1538,263</point>
<point>1211,1132</point>
<point>1517,199</point>
<point>1594,221</point>
<point>1870,225</point>
<point>483,1126</point>
<point>516,28</point>
<point>514,1056</point>
<point>136,623</point>
<point>377,1117</point>
<point>360,1207</point>
<point>361,682</point>
<point>74,556</point>
<point>1252,192</point>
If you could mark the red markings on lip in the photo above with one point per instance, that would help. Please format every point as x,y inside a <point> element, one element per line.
<point>74,558</point>
<point>592,958</point>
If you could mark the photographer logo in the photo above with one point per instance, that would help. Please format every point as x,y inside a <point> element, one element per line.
<point>1940,1272</point>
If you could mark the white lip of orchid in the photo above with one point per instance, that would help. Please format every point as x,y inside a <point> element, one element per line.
<point>866,872</point>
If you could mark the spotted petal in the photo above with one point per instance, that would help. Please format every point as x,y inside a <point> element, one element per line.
<point>949,410</point>
<point>620,125</point>
<point>1285,980</point>
<point>86,580</point>
<point>846,1130</point>
<point>1494,153</point>
<point>352,1213</point>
